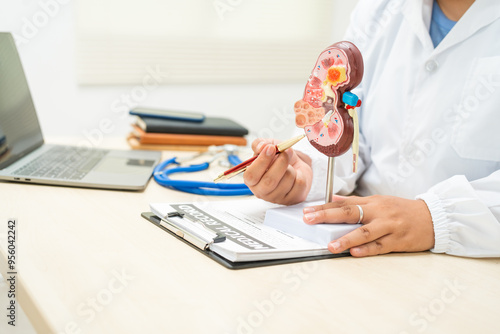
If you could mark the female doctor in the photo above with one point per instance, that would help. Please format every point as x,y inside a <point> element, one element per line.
<point>429,175</point>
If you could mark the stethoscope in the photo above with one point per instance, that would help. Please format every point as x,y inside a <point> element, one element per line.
<point>164,169</point>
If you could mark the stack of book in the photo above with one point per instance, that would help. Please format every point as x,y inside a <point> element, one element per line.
<point>174,134</point>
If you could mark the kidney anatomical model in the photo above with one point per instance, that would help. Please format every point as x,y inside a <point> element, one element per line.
<point>326,112</point>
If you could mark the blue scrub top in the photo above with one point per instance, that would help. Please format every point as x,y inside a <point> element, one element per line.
<point>440,24</point>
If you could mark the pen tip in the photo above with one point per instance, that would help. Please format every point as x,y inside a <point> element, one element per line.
<point>219,178</point>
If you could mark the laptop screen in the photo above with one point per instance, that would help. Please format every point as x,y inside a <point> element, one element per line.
<point>20,131</point>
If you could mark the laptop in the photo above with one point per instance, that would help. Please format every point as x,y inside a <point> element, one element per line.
<point>24,157</point>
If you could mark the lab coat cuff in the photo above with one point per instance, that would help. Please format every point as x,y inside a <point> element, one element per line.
<point>440,221</point>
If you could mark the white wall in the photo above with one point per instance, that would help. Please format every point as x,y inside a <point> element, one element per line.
<point>206,42</point>
<point>64,108</point>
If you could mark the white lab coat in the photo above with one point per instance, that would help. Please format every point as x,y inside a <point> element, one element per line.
<point>430,120</point>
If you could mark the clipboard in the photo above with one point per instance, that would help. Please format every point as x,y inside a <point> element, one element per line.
<point>185,237</point>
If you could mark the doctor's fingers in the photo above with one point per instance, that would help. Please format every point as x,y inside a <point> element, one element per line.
<point>259,166</point>
<point>382,245</point>
<point>347,213</point>
<point>278,179</point>
<point>283,193</point>
<point>266,168</point>
<point>259,144</point>
<point>372,236</point>
<point>338,202</point>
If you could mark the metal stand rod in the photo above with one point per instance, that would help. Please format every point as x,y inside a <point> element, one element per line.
<point>329,180</point>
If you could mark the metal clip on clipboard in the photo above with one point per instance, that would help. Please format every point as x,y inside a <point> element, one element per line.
<point>168,223</point>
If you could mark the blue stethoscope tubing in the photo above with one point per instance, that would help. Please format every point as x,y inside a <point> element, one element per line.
<point>161,175</point>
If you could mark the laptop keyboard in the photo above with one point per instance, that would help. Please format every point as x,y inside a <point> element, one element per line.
<point>60,162</point>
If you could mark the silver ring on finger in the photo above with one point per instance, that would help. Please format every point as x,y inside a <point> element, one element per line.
<point>361,214</point>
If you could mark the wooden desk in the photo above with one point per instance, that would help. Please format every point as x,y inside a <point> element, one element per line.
<point>88,263</point>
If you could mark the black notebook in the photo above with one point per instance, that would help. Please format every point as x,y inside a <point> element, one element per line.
<point>210,126</point>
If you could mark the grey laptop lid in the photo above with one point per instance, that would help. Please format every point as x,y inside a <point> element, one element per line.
<point>19,127</point>
<point>21,137</point>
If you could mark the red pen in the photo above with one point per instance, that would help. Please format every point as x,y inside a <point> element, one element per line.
<point>244,165</point>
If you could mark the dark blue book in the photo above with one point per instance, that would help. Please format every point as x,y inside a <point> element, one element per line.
<point>210,126</point>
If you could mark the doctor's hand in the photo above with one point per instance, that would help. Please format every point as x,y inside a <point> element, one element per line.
<point>285,178</point>
<point>390,224</point>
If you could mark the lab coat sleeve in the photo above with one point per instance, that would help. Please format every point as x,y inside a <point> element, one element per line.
<point>466,216</point>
